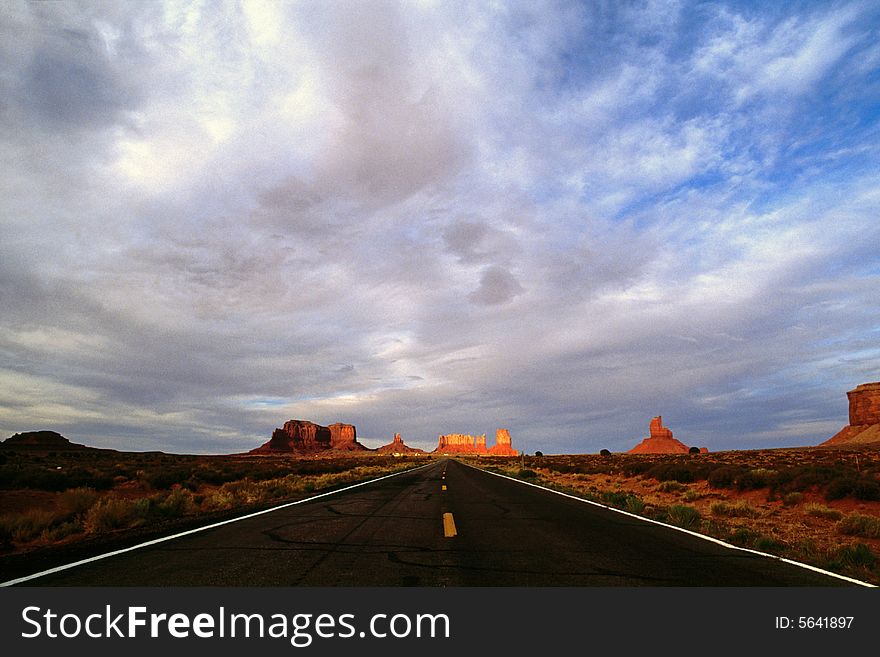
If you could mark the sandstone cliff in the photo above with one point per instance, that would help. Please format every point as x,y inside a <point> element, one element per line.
<point>304,437</point>
<point>459,443</point>
<point>864,418</point>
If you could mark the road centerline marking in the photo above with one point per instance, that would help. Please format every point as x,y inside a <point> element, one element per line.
<point>449,526</point>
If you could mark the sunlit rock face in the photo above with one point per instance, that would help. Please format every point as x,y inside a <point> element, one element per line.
<point>460,443</point>
<point>660,441</point>
<point>302,436</point>
<point>864,417</point>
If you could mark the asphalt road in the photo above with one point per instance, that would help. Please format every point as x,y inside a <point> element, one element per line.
<point>392,533</point>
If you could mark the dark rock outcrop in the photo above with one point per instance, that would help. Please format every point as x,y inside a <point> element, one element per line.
<point>49,440</point>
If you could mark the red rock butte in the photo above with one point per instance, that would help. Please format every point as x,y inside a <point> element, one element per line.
<point>461,443</point>
<point>661,441</point>
<point>397,447</point>
<point>304,437</point>
<point>864,417</point>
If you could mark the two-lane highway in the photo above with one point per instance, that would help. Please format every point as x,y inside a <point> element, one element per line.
<point>446,524</point>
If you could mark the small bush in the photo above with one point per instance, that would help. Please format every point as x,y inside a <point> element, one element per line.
<point>754,479</point>
<point>857,524</point>
<point>77,501</point>
<point>858,488</point>
<point>694,450</point>
<point>723,477</point>
<point>605,452</point>
<point>686,517</point>
<point>115,513</point>
<point>24,527</point>
<point>737,510</point>
<point>691,495</point>
<point>822,511</point>
<point>671,487</point>
<point>858,555</point>
<point>527,474</point>
<point>792,499</point>
<point>679,472</point>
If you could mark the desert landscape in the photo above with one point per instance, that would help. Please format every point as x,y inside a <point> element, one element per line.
<point>817,505</point>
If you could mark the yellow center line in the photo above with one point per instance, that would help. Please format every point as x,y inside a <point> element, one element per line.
<point>448,526</point>
<point>444,487</point>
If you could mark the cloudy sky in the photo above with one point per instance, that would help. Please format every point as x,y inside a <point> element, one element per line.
<point>432,217</point>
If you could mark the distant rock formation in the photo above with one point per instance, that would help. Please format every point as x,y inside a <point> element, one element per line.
<point>661,441</point>
<point>344,437</point>
<point>304,437</point>
<point>460,443</point>
<point>397,447</point>
<point>864,418</point>
<point>50,440</point>
<point>502,446</point>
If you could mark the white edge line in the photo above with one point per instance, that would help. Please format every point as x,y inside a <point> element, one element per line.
<point>155,541</point>
<point>682,529</point>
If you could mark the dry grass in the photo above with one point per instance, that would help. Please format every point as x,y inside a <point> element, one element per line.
<point>149,489</point>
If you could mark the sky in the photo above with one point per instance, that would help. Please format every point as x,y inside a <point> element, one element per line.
<point>561,218</point>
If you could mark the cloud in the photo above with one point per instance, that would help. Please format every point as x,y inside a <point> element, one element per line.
<point>559,218</point>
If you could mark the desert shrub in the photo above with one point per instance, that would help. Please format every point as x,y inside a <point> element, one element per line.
<point>822,511</point>
<point>867,490</point>
<point>527,474</point>
<point>671,487</point>
<point>165,478</point>
<point>736,510</point>
<point>679,472</point>
<point>858,555</point>
<point>539,454</point>
<point>605,452</point>
<point>753,479</point>
<point>743,537</point>
<point>62,531</point>
<point>691,495</point>
<point>24,527</point>
<point>634,504</point>
<point>115,513</point>
<point>634,467</point>
<point>77,501</point>
<point>792,499</point>
<point>857,524</point>
<point>694,450</point>
<point>723,477</point>
<point>767,543</point>
<point>683,516</point>
<point>177,503</point>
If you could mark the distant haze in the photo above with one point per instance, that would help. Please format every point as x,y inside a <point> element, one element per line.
<point>438,217</point>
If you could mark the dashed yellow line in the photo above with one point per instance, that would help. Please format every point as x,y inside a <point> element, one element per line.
<point>448,526</point>
<point>443,487</point>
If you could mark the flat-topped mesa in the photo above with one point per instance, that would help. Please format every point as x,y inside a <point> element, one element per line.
<point>864,417</point>
<point>397,447</point>
<point>305,437</point>
<point>502,446</point>
<point>460,443</point>
<point>660,441</point>
<point>344,437</point>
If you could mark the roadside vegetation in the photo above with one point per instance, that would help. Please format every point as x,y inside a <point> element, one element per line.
<point>51,498</point>
<point>818,506</point>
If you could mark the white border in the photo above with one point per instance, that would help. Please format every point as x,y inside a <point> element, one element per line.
<point>155,541</point>
<point>681,529</point>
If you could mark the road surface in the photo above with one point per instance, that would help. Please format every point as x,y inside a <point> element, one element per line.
<point>396,532</point>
